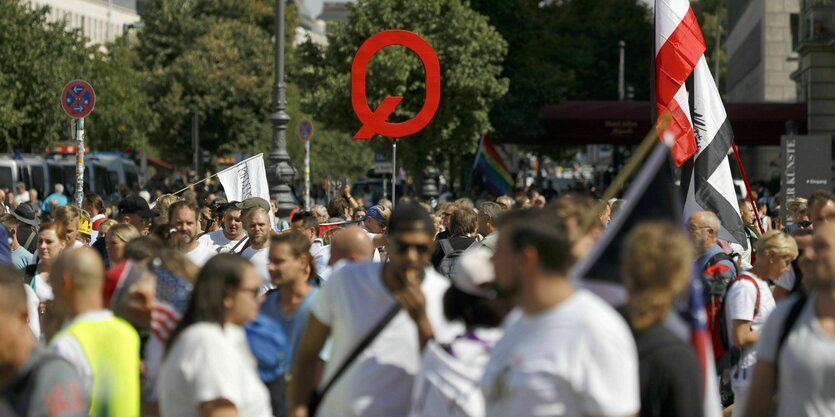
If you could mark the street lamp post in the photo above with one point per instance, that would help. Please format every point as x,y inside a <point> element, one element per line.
<point>280,172</point>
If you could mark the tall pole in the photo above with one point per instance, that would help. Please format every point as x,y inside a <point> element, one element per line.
<point>195,142</point>
<point>621,70</point>
<point>307,175</point>
<point>393,172</point>
<point>79,161</point>
<point>280,172</point>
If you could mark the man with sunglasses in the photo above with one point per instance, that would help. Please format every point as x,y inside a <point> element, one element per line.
<point>355,300</point>
<point>134,210</point>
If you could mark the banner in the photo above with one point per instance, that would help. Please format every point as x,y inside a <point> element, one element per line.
<point>247,179</point>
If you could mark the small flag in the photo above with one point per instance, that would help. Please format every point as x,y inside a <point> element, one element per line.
<point>246,179</point>
<point>491,166</point>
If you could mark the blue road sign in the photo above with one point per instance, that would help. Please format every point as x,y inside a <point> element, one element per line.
<point>305,130</point>
<point>78,99</point>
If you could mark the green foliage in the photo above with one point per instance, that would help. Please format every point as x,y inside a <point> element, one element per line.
<point>123,116</point>
<point>36,60</point>
<point>470,52</point>
<point>713,17</point>
<point>566,50</point>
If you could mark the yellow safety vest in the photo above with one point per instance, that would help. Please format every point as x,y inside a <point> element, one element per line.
<point>112,348</point>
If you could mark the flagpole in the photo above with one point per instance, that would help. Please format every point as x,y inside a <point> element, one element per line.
<point>748,188</point>
<point>217,173</point>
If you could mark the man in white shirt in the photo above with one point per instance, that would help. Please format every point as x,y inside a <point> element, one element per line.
<point>231,237</point>
<point>354,300</point>
<point>308,225</point>
<point>258,229</point>
<point>183,216</point>
<point>374,222</point>
<point>567,353</point>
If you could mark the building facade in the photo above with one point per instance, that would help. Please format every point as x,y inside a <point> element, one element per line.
<point>761,59</point>
<point>101,21</point>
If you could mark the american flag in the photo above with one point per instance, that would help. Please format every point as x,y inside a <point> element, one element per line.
<point>170,303</point>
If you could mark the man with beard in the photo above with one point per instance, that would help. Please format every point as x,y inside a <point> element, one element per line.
<point>259,230</point>
<point>796,350</point>
<point>230,238</point>
<point>182,215</point>
<point>567,352</point>
<point>704,229</point>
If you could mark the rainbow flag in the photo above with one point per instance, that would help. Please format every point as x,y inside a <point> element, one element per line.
<point>492,168</point>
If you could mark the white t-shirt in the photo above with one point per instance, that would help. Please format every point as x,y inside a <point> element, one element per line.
<point>739,305</point>
<point>786,281</point>
<point>209,362</point>
<point>200,255</point>
<point>219,243</point>
<point>806,363</point>
<point>260,258</point>
<point>379,382</point>
<point>577,358</point>
<point>448,383</point>
<point>42,289</point>
<point>33,304</point>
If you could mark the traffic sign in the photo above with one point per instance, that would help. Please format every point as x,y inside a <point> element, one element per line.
<point>78,99</point>
<point>305,130</point>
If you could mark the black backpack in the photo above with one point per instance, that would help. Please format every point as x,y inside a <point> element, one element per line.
<point>449,265</point>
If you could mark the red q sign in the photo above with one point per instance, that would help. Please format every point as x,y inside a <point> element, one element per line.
<point>374,122</point>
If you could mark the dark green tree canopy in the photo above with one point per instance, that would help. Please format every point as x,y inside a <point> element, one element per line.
<point>470,51</point>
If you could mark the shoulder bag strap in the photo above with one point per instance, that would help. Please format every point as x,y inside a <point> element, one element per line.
<point>29,239</point>
<point>791,318</point>
<point>318,395</point>
<point>757,286</point>
<point>446,246</point>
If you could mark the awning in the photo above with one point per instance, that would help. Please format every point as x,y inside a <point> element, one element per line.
<point>626,123</point>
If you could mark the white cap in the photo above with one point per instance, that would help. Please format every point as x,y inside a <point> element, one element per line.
<point>475,269</point>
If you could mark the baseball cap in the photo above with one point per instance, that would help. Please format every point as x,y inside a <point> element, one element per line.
<point>376,213</point>
<point>253,202</point>
<point>475,269</point>
<point>134,204</point>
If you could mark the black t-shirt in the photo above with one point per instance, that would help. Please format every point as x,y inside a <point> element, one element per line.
<point>670,374</point>
<point>457,242</point>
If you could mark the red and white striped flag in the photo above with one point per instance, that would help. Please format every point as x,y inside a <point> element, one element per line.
<point>700,135</point>
<point>698,127</point>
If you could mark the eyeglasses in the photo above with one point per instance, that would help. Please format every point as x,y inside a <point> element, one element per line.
<point>693,228</point>
<point>401,247</point>
<point>254,291</point>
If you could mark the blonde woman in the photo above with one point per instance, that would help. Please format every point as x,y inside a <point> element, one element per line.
<point>657,264</point>
<point>748,303</point>
<point>117,237</point>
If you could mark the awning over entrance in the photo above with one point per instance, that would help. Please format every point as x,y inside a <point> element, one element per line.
<point>626,123</point>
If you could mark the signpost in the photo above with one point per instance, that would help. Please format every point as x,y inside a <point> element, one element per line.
<point>807,167</point>
<point>305,134</point>
<point>78,100</point>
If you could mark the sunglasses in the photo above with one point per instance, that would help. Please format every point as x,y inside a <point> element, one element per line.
<point>401,247</point>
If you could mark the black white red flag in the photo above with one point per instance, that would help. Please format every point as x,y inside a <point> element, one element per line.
<point>698,125</point>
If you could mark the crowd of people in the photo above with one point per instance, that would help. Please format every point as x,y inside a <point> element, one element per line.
<point>170,305</point>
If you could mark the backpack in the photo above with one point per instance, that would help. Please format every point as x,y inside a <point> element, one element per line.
<point>269,346</point>
<point>449,265</point>
<point>715,278</point>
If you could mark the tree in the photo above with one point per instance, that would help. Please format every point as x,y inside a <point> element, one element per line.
<point>36,60</point>
<point>566,50</point>
<point>470,52</point>
<point>712,16</point>
<point>123,117</point>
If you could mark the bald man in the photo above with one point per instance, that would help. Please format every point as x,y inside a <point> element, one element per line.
<point>103,348</point>
<point>351,244</point>
<point>30,377</point>
<point>704,230</point>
